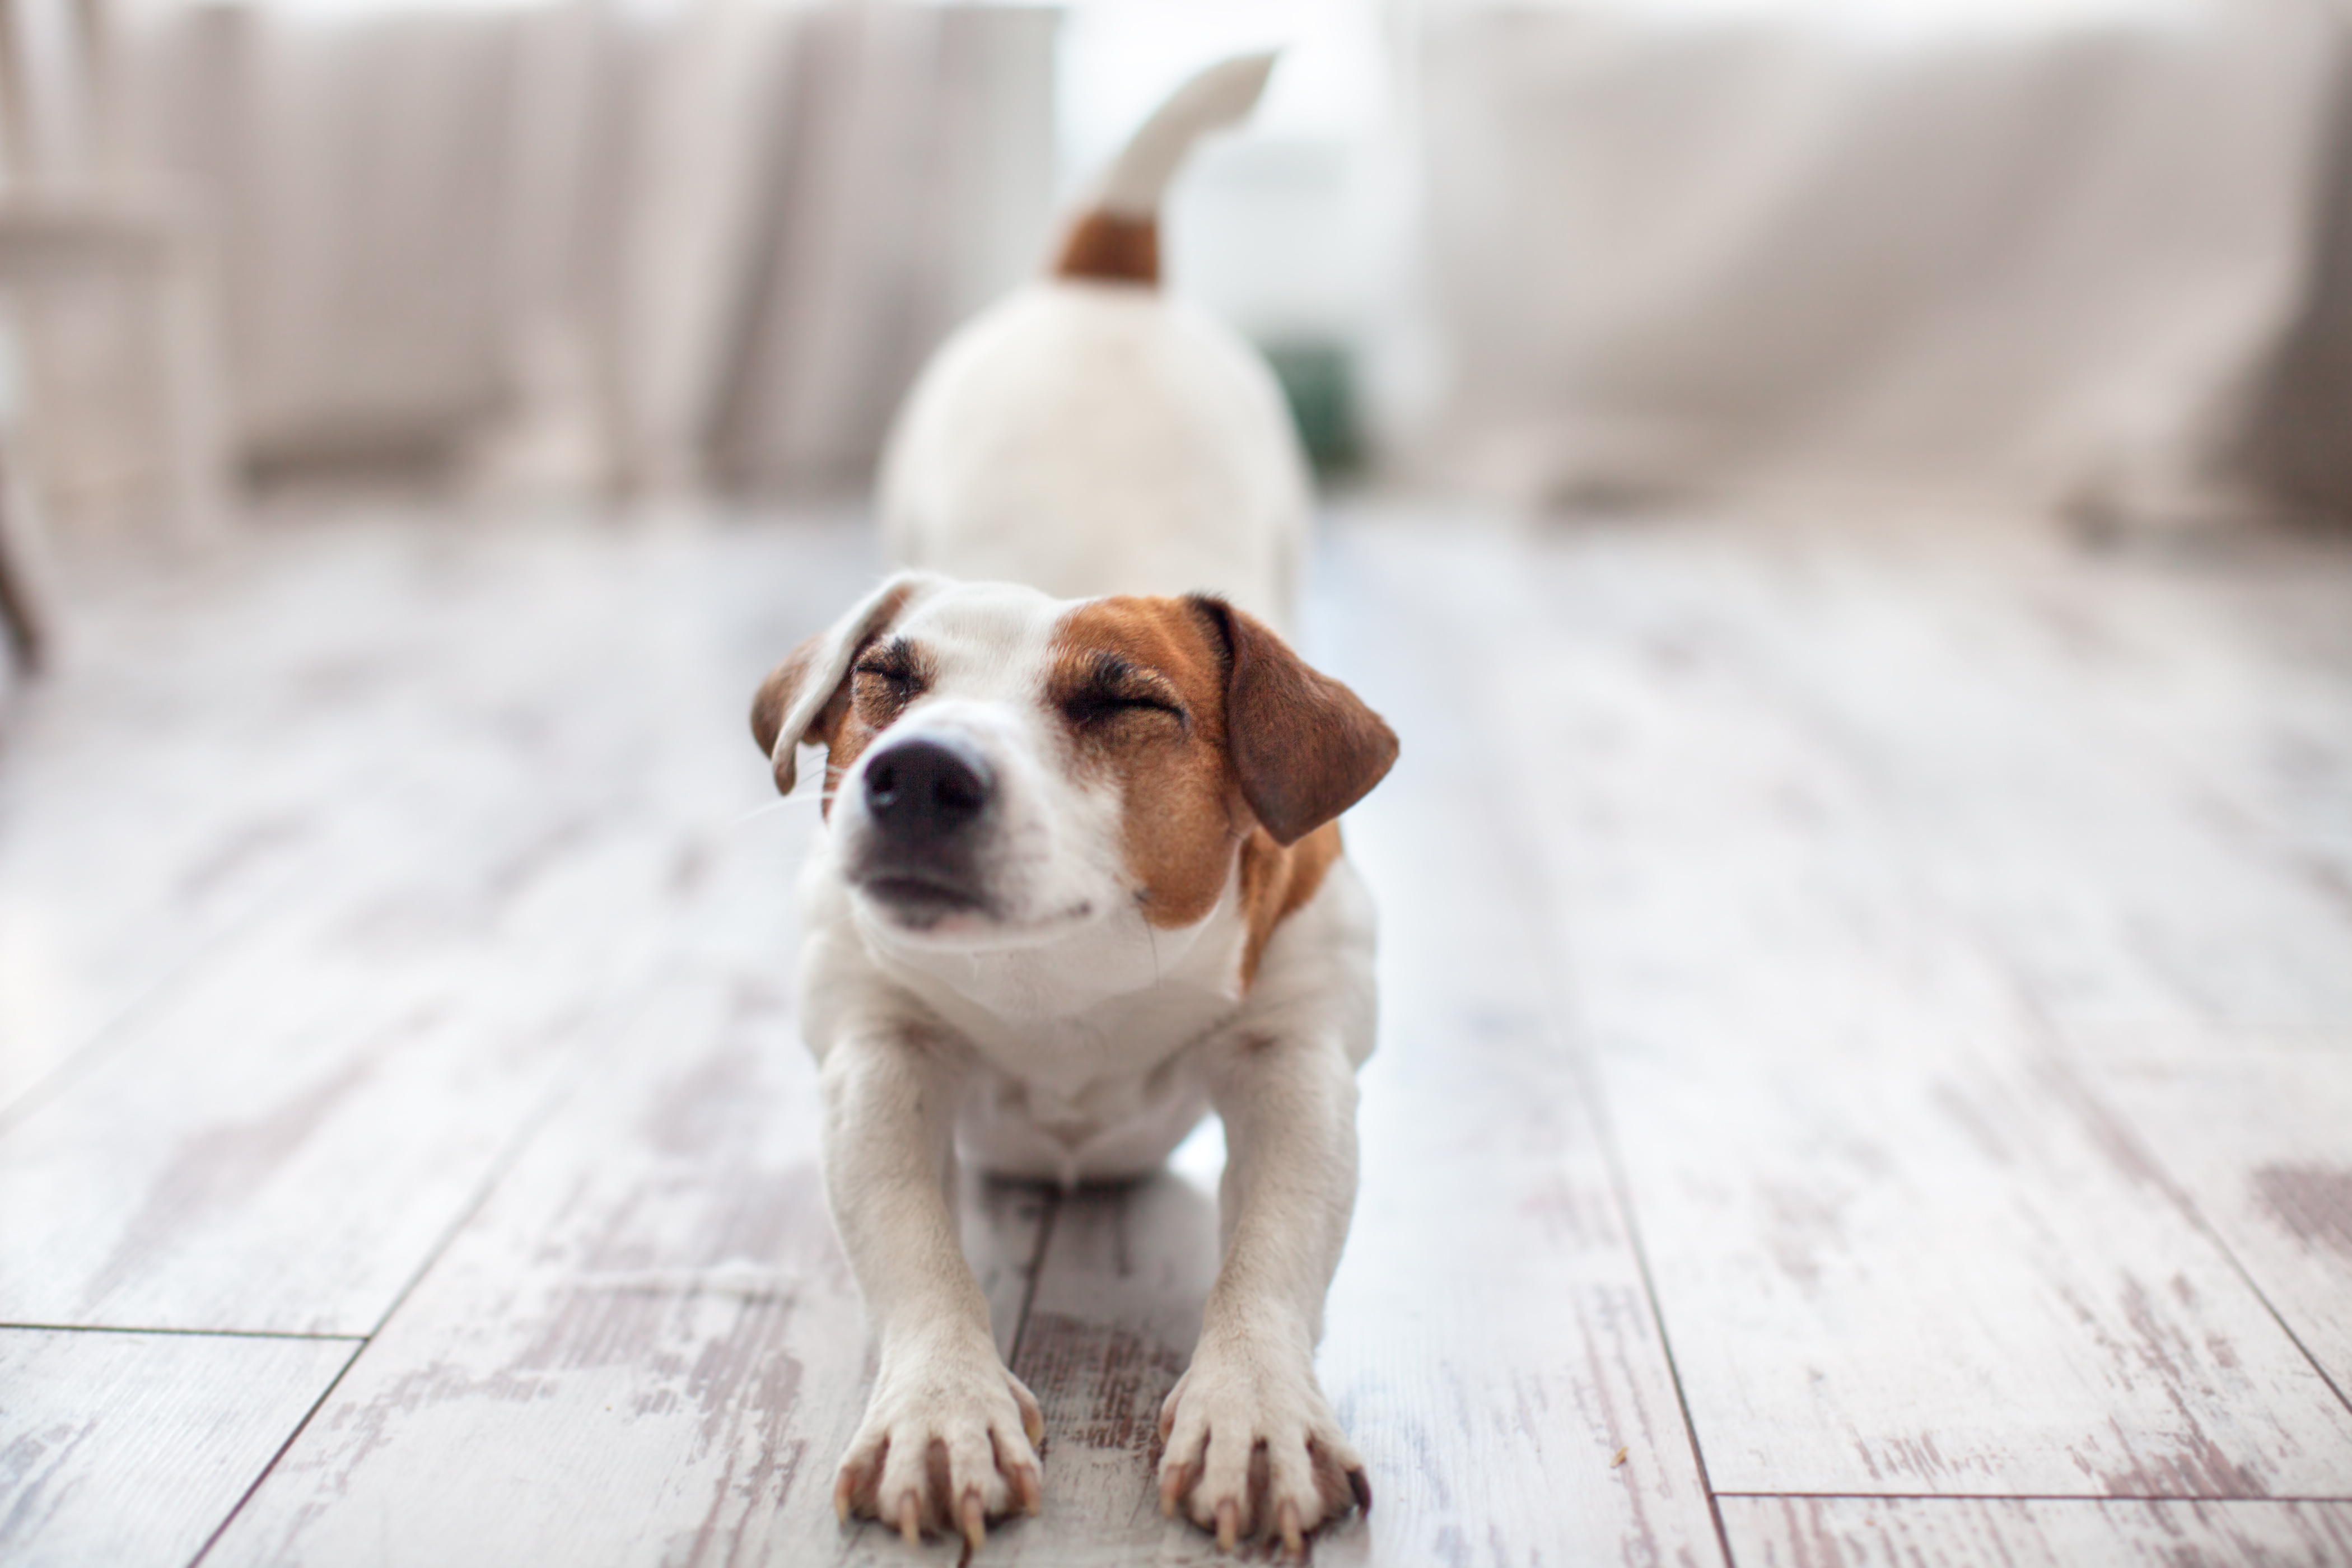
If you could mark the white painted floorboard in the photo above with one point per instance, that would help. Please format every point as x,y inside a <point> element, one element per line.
<point>1862,1078</point>
<point>129,1449</point>
<point>1946,1532</point>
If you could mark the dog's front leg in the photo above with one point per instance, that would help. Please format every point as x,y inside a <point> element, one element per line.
<point>1289,1110</point>
<point>947,1443</point>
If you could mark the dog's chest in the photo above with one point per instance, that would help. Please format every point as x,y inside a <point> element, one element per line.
<point>1091,1098</point>
<point>1103,1092</point>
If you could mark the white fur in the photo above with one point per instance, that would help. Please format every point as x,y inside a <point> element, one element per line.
<point>1219,96</point>
<point>1100,438</point>
<point>1080,440</point>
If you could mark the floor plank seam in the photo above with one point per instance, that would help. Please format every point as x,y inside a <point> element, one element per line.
<point>1054,1196</point>
<point>1588,1080</point>
<point>2049,1045</point>
<point>283,1449</point>
<point>532,1125</point>
<point>185,1333</point>
<point>557,1095</point>
<point>2048,1039</point>
<point>2043,1496</point>
<point>507,1158</point>
<point>1567,1020</point>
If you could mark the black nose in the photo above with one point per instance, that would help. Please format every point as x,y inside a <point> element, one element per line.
<point>925,789</point>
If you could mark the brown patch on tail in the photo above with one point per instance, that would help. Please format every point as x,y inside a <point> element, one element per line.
<point>1109,248</point>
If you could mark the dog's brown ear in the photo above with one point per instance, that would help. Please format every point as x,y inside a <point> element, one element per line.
<point>804,697</point>
<point>1304,747</point>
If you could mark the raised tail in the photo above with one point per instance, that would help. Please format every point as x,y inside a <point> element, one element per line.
<point>1116,236</point>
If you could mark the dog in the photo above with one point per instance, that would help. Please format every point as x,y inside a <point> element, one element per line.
<point>1080,879</point>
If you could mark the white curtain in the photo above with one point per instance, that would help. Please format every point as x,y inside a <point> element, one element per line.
<point>568,246</point>
<point>2048,250</point>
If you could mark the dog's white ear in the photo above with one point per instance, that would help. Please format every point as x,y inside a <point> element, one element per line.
<point>1305,748</point>
<point>803,698</point>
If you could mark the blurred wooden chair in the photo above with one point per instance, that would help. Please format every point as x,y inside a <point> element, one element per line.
<point>24,624</point>
<point>71,215</point>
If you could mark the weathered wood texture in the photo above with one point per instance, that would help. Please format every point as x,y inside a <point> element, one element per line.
<point>1956,1532</point>
<point>130,1449</point>
<point>1899,1244</point>
<point>1916,971</point>
<point>646,1346</point>
<point>1118,1307</point>
<point>1491,1339</point>
<point>280,1138</point>
<point>2259,1143</point>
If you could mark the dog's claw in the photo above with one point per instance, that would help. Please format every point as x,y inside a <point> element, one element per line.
<point>1033,1426</point>
<point>1293,1540</point>
<point>1229,1524</point>
<point>974,1518</point>
<point>910,1524</point>
<point>1361,1485</point>
<point>1029,1490</point>
<point>1174,1482</point>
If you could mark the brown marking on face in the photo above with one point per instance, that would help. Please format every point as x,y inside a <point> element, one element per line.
<point>1109,248</point>
<point>1276,882</point>
<point>886,676</point>
<point>1146,686</point>
<point>1140,686</point>
<point>862,703</point>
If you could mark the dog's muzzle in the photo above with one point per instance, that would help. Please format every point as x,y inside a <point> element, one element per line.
<point>926,799</point>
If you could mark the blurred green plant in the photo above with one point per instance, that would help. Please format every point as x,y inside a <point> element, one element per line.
<point>1318,380</point>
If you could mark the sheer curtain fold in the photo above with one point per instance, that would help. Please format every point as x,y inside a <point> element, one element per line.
<point>569,247</point>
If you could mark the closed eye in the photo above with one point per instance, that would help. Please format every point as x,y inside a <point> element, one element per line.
<point>893,664</point>
<point>1096,706</point>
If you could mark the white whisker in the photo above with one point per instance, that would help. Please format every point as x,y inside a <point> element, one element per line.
<point>813,797</point>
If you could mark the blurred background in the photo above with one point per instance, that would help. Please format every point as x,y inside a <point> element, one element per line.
<point>2089,255</point>
<point>1839,499</point>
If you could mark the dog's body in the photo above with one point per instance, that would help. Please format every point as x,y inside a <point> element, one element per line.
<point>1081,882</point>
<point>1009,464</point>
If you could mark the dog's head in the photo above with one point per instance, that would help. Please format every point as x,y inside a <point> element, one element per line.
<point>1002,767</point>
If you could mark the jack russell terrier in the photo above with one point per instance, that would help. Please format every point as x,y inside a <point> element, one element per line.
<point>1080,881</point>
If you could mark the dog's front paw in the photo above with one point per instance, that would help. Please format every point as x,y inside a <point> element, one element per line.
<point>1233,1404</point>
<point>948,1444</point>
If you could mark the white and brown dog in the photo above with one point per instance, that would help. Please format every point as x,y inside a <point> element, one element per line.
<point>1080,881</point>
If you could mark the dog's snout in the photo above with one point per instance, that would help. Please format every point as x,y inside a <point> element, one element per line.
<point>927,788</point>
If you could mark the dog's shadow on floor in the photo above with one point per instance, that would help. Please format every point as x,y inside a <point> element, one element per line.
<point>1144,1251</point>
<point>1096,1295</point>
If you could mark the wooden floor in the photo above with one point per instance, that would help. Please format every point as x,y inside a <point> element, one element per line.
<point>1865,1074</point>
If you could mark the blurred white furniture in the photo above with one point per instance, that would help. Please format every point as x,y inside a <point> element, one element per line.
<point>2039,248</point>
<point>69,214</point>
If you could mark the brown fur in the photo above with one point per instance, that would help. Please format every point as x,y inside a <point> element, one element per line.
<point>1278,881</point>
<point>1181,819</point>
<point>1190,786</point>
<point>1239,749</point>
<point>1305,748</point>
<point>1109,248</point>
<point>833,726</point>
